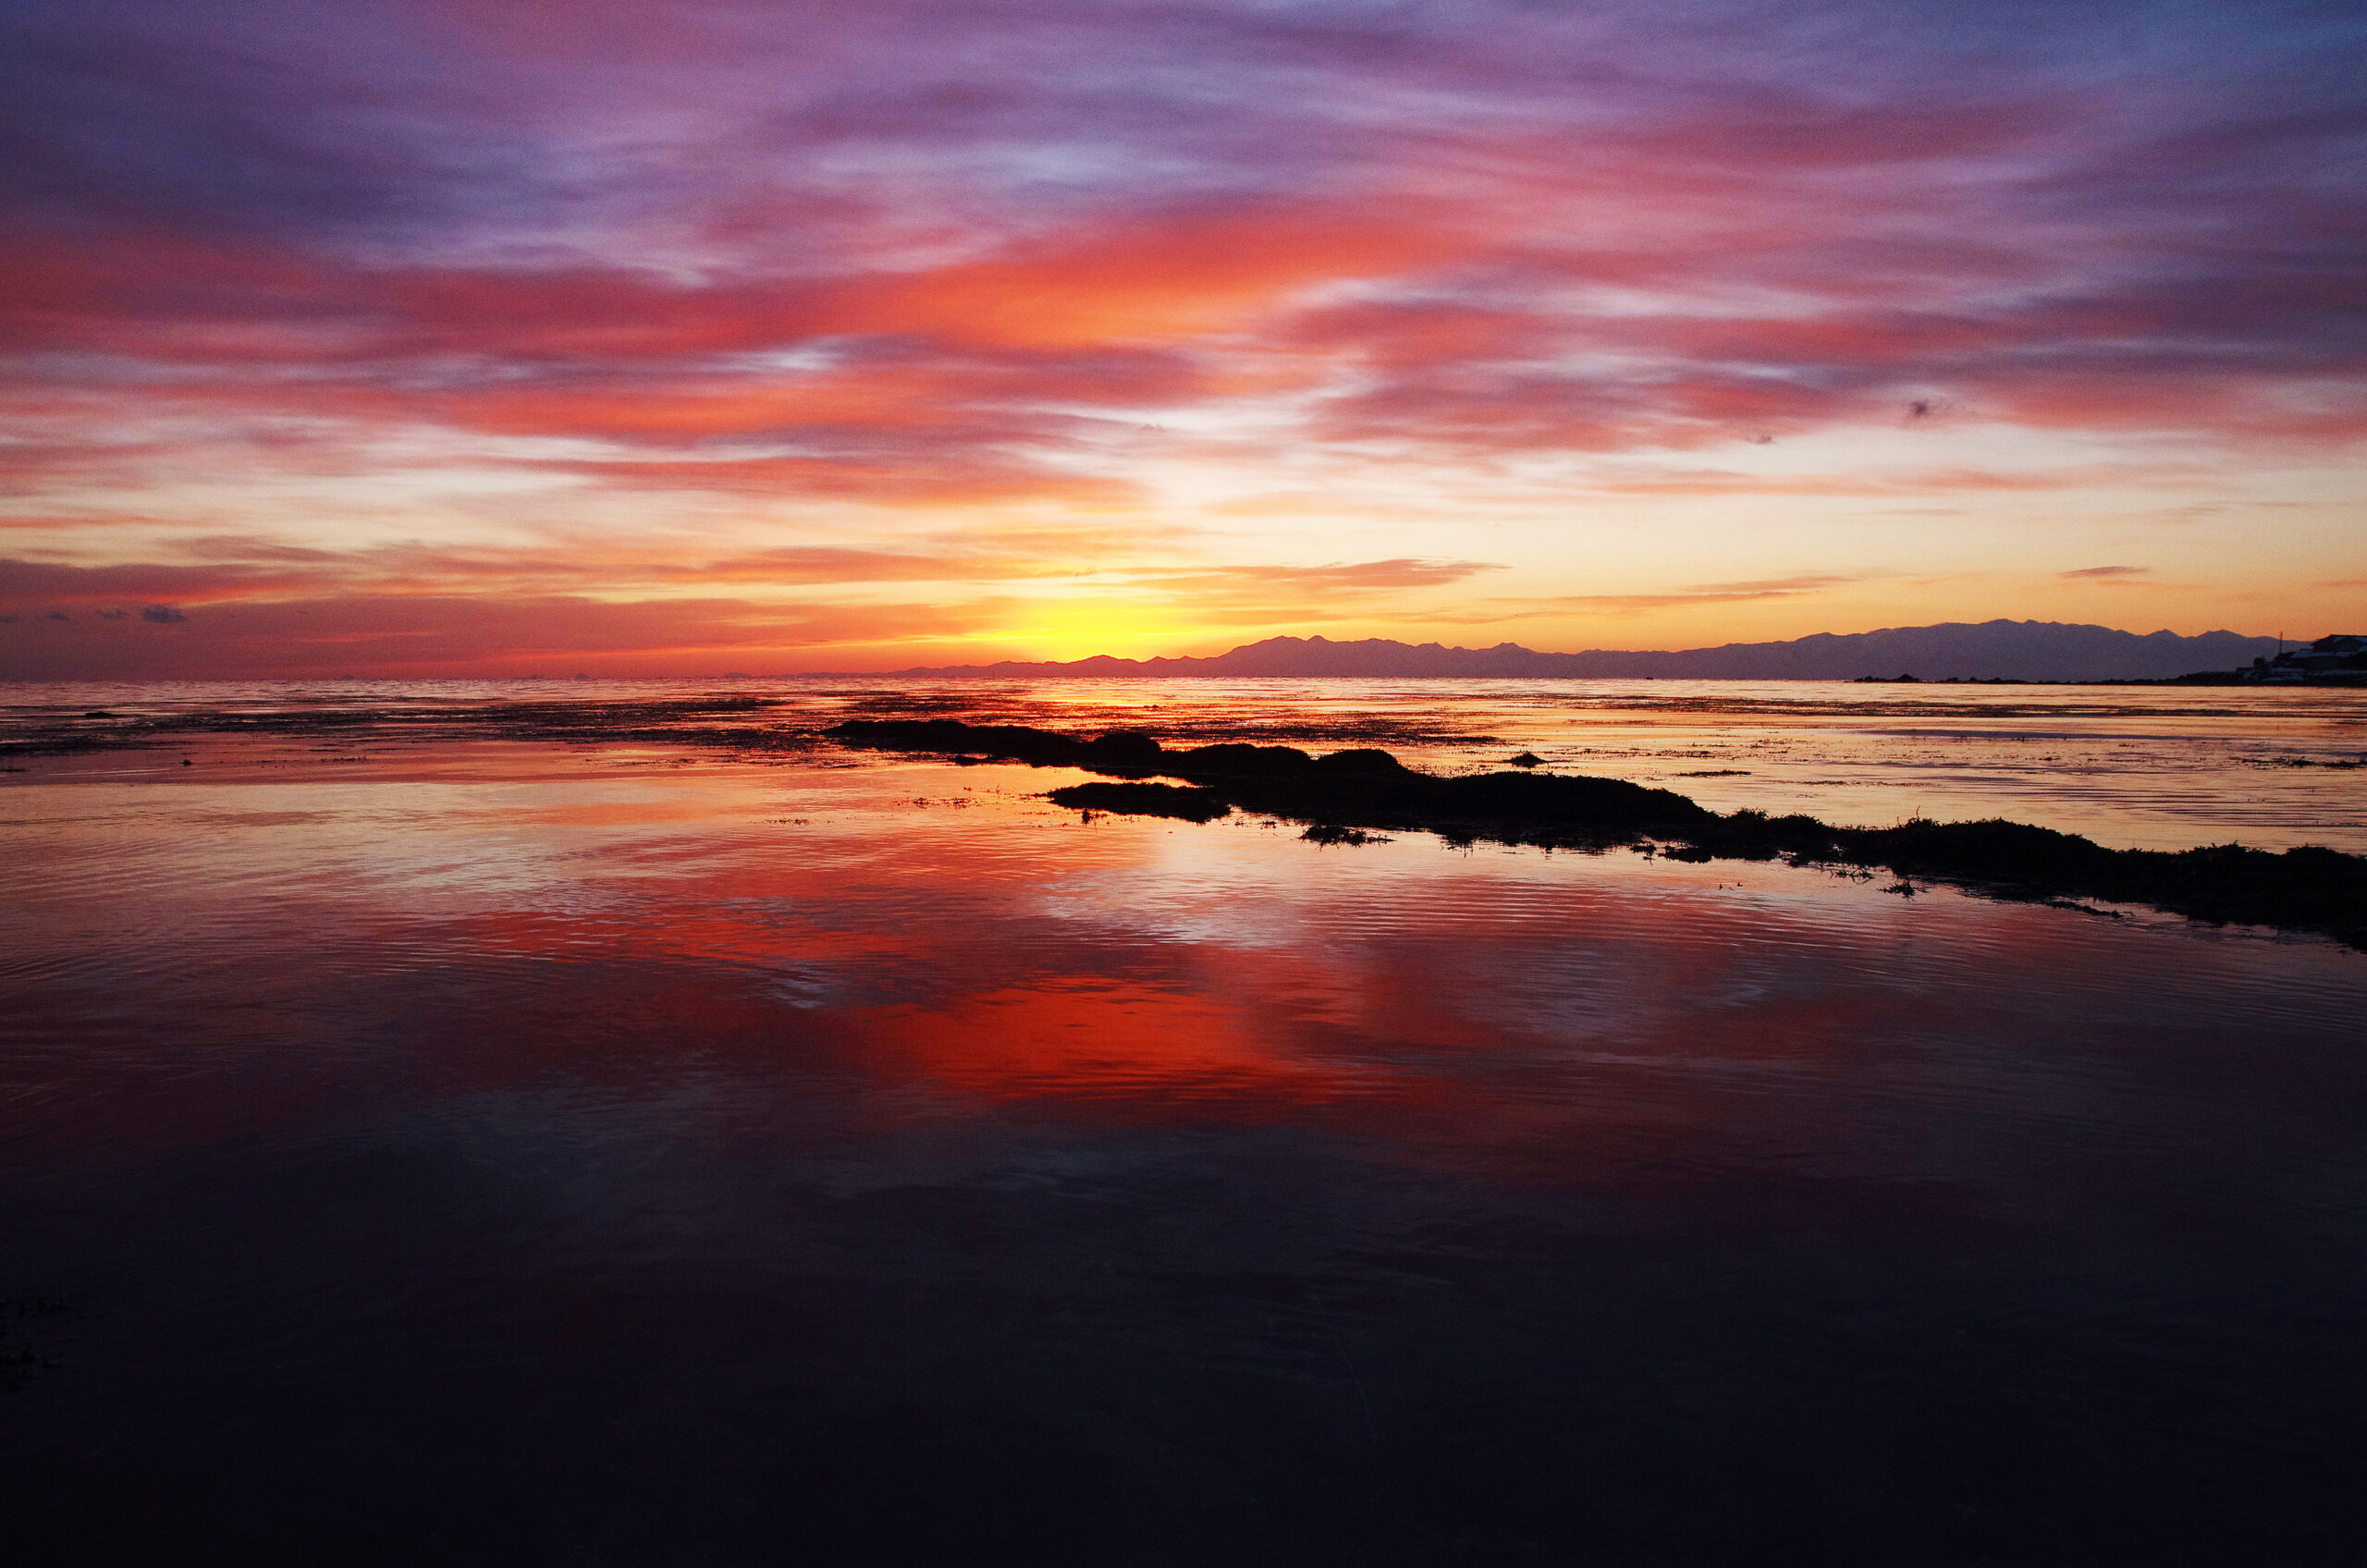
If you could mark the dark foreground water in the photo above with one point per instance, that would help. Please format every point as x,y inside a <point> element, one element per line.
<point>492,1153</point>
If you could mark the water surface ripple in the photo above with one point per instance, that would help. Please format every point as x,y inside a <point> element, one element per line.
<point>498,1152</point>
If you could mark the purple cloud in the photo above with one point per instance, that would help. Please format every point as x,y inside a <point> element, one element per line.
<point>702,260</point>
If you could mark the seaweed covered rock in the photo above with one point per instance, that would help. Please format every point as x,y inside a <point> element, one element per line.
<point>1995,850</point>
<point>1236,760</point>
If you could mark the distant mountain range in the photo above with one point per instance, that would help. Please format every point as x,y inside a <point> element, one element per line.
<point>2019,650</point>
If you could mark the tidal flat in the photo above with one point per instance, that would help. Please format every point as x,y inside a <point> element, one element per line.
<point>523,1125</point>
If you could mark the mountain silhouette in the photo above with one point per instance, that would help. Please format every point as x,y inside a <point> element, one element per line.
<point>2013,650</point>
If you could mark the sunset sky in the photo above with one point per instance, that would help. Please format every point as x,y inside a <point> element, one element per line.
<point>487,337</point>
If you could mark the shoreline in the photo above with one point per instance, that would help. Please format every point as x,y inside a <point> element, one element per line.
<point>1361,790</point>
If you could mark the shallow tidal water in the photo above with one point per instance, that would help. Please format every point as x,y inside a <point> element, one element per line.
<point>482,1151</point>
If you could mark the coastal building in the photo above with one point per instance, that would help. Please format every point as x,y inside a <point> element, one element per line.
<point>2340,659</point>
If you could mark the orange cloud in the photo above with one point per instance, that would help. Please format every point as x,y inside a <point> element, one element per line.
<point>1183,278</point>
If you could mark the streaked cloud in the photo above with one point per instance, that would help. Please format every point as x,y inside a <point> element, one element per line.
<point>431,303</point>
<point>1561,605</point>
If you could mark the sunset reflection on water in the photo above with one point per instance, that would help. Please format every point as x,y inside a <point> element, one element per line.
<point>799,1132</point>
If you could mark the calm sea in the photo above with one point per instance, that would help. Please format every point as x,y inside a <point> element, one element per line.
<point>422,1146</point>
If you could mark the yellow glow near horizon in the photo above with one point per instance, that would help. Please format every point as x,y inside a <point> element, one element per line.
<point>1082,628</point>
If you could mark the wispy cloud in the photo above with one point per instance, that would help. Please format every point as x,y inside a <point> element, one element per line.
<point>838,294</point>
<point>1805,584</point>
<point>240,589</point>
<point>428,636</point>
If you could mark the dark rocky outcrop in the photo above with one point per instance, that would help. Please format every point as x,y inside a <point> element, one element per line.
<point>1363,787</point>
<point>2302,890</point>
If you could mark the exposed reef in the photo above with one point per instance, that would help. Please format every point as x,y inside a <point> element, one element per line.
<point>2300,889</point>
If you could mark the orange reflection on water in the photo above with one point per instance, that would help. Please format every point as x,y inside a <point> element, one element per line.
<point>842,936</point>
<point>1091,1038</point>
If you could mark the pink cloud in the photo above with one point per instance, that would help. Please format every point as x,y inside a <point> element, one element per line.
<point>723,270</point>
